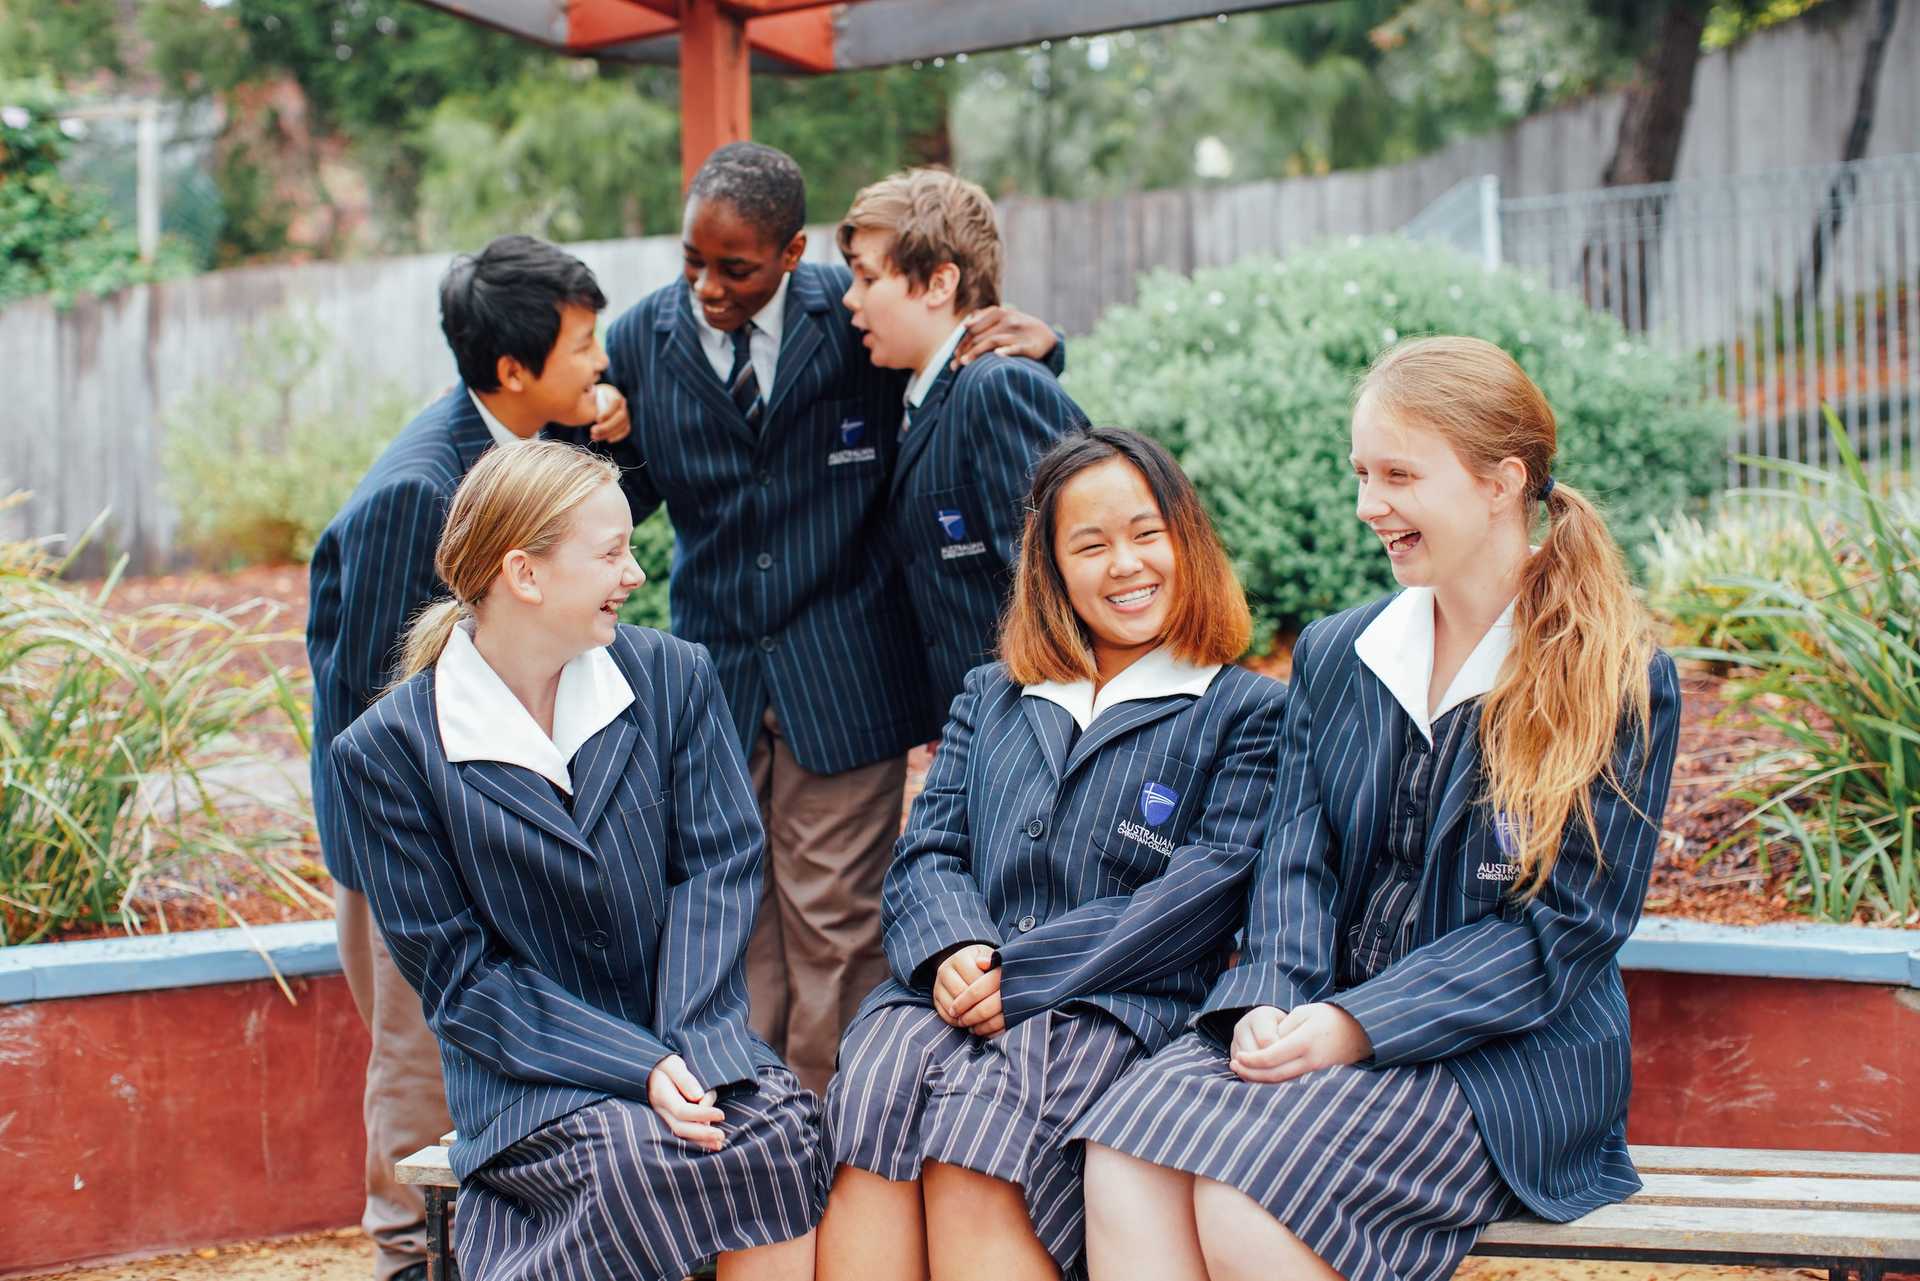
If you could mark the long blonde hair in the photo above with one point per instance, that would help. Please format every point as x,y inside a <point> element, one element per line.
<point>516,497</point>
<point>1582,643</point>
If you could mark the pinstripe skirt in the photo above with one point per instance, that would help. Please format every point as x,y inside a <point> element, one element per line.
<point>911,1089</point>
<point>1380,1171</point>
<point>608,1191</point>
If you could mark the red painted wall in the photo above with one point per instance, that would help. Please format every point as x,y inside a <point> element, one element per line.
<point>156,1120</point>
<point>190,1116</point>
<point>1771,1063</point>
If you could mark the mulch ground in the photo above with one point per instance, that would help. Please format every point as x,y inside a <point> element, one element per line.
<point>1714,739</point>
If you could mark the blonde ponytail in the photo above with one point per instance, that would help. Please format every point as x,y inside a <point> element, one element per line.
<point>516,497</point>
<point>1582,642</point>
<point>1581,648</point>
<point>427,637</point>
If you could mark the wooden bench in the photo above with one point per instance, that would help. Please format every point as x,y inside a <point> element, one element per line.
<point>1745,1207</point>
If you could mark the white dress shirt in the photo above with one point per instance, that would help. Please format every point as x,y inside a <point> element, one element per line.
<point>763,348</point>
<point>482,720</point>
<point>1155,674</point>
<point>1398,646</point>
<point>930,372</point>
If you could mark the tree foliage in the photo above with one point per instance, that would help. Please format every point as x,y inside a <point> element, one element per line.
<point>54,237</point>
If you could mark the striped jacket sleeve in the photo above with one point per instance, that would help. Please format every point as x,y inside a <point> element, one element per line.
<point>1290,931</point>
<point>1118,943</point>
<point>715,872</point>
<point>1517,969</point>
<point>386,571</point>
<point>477,998</point>
<point>929,903</point>
<point>1014,414</point>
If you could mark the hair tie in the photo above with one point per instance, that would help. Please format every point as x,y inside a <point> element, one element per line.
<point>1546,488</point>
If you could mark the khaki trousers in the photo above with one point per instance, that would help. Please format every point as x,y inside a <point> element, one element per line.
<point>815,951</point>
<point>405,1106</point>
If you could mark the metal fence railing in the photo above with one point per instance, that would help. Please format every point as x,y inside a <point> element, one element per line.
<point>1789,289</point>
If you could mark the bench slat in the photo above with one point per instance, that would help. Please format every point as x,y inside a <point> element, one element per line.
<point>1869,1195</point>
<point>1747,1230</point>
<point>427,1168</point>
<point>1831,1165</point>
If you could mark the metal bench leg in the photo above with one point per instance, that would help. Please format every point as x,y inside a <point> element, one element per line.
<point>440,1261</point>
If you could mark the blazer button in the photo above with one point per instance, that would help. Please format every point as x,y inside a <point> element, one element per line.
<point>765,478</point>
<point>1027,922</point>
<point>599,938</point>
<point>764,560</point>
<point>766,643</point>
<point>1036,829</point>
<point>1411,808</point>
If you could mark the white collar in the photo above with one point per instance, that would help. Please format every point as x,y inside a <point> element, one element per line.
<point>1398,646</point>
<point>930,372</point>
<point>771,318</point>
<point>482,720</point>
<point>501,433</point>
<point>1155,674</point>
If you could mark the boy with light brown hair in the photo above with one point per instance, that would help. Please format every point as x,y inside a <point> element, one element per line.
<point>925,253</point>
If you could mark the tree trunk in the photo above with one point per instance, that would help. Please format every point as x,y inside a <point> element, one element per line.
<point>1827,226</point>
<point>1618,271</point>
<point>1648,144</point>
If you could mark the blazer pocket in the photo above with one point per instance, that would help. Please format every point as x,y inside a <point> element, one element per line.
<point>1486,871</point>
<point>848,440</point>
<point>950,529</point>
<point>1140,810</point>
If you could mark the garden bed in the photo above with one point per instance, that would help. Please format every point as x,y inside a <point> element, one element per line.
<point>1713,739</point>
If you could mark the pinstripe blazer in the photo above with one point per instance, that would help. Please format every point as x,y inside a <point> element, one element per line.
<point>780,567</point>
<point>1051,848</point>
<point>958,500</point>
<point>1521,1000</point>
<point>560,955</point>
<point>372,570</point>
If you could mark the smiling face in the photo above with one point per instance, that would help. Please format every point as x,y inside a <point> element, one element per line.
<point>563,391</point>
<point>585,577</point>
<point>1115,554</point>
<point>731,266</point>
<point>903,326</point>
<point>1433,516</point>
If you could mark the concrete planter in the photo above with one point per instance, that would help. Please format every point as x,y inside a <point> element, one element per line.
<point>164,1092</point>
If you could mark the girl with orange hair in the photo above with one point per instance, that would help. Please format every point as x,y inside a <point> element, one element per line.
<point>1427,1030</point>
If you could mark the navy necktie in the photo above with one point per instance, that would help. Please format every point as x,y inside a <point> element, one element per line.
<point>742,383</point>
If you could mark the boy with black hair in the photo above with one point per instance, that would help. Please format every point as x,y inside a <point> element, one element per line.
<point>520,317</point>
<point>769,435</point>
<point>925,252</point>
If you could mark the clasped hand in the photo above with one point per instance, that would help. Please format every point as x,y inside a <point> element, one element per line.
<point>684,1104</point>
<point>1271,1045</point>
<point>966,991</point>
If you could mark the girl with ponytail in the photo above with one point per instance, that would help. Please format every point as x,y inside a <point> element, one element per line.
<point>561,848</point>
<point>1427,1029</point>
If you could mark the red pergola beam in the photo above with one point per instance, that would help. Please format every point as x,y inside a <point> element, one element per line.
<point>716,103</point>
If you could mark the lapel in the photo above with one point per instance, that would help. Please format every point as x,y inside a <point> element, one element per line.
<point>1052,727</point>
<point>468,430</point>
<point>808,316</point>
<point>1123,719</point>
<point>1456,798</point>
<point>688,363</point>
<point>598,766</point>
<point>527,795</point>
<point>926,419</point>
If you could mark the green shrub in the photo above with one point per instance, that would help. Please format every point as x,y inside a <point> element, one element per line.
<point>653,548</point>
<point>1833,666</point>
<point>254,475</point>
<point>1691,559</point>
<point>119,735</point>
<point>1245,372</point>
